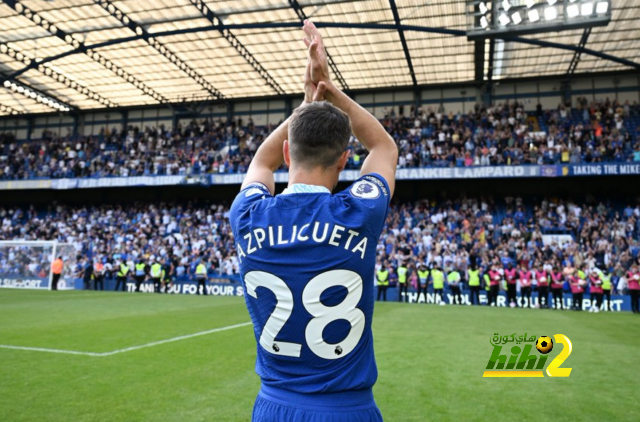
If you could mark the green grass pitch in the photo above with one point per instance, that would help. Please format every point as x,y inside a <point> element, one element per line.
<point>430,361</point>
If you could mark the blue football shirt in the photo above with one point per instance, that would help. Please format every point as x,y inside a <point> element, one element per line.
<point>307,263</point>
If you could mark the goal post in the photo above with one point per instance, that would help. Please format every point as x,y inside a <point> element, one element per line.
<point>27,264</point>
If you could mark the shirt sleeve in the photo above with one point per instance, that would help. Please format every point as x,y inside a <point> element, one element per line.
<point>249,196</point>
<point>371,191</point>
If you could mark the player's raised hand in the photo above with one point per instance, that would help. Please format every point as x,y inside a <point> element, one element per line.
<point>317,53</point>
<point>312,92</point>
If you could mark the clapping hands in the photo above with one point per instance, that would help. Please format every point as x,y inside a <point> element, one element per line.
<point>316,78</point>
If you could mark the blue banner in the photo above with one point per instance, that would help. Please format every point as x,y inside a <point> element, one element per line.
<point>17,282</point>
<point>619,303</point>
<point>600,170</point>
<point>230,286</point>
<point>439,173</point>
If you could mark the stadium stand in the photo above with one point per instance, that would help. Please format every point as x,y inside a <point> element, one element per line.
<point>503,134</point>
<point>450,234</point>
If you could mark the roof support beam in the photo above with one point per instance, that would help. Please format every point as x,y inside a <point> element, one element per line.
<point>303,16</point>
<point>235,43</point>
<point>46,70</point>
<point>283,25</point>
<point>576,56</point>
<point>80,47</point>
<point>10,111</point>
<point>492,55</point>
<point>21,88</point>
<point>153,42</point>
<point>403,40</point>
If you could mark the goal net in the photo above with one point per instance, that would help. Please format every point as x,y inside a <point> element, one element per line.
<point>27,264</point>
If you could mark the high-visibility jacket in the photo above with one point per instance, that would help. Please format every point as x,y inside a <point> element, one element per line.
<point>423,276</point>
<point>201,271</point>
<point>438,279</point>
<point>57,265</point>
<point>124,270</point>
<point>402,274</point>
<point>474,277</point>
<point>156,270</point>
<point>99,268</point>
<point>487,282</point>
<point>140,269</point>
<point>383,277</point>
<point>606,281</point>
<point>453,277</point>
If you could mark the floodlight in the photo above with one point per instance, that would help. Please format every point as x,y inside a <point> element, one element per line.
<point>516,18</point>
<point>506,5</point>
<point>531,3</point>
<point>586,9</point>
<point>602,7</point>
<point>552,2</point>
<point>483,22</point>
<point>504,20</point>
<point>550,13</point>
<point>534,16</point>
<point>483,8</point>
<point>573,10</point>
<point>7,84</point>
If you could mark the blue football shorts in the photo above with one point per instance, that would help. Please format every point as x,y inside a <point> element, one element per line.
<point>276,405</point>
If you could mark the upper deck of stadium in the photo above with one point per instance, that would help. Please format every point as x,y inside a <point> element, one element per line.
<point>76,55</point>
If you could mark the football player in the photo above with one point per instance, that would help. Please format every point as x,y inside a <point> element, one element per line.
<point>307,256</point>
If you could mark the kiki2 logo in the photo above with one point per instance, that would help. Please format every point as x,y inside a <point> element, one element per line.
<point>523,364</point>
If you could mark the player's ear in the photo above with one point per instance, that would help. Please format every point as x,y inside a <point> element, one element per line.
<point>342,162</point>
<point>285,153</point>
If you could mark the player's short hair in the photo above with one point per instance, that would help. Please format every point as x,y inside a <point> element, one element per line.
<point>318,134</point>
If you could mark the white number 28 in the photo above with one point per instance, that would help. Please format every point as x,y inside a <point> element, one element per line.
<point>322,315</point>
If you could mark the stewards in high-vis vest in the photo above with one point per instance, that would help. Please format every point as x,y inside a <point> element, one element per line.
<point>156,276</point>
<point>437,278</point>
<point>453,279</point>
<point>402,283</point>
<point>121,276</point>
<point>166,277</point>
<point>474,285</point>
<point>606,289</point>
<point>140,274</point>
<point>423,281</point>
<point>201,277</point>
<point>99,273</point>
<point>56,269</point>
<point>382,277</point>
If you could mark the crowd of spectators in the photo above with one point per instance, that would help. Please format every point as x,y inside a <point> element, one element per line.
<point>503,134</point>
<point>448,234</point>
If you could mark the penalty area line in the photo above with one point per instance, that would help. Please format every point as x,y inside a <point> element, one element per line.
<point>127,349</point>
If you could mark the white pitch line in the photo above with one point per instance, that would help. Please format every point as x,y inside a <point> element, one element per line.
<point>157,343</point>
<point>41,349</point>
<point>128,349</point>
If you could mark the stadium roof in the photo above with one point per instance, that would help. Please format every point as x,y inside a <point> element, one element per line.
<point>90,54</point>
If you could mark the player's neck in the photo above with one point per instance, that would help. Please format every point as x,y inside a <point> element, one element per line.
<point>315,177</point>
